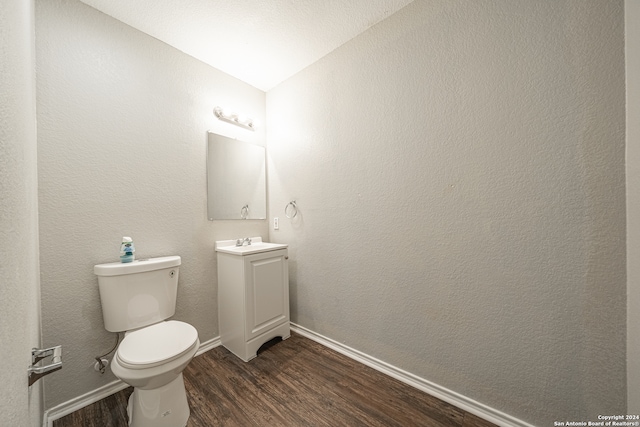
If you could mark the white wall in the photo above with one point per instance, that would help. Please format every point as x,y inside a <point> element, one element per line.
<point>122,131</point>
<point>459,170</point>
<point>19,285</point>
<point>632,55</point>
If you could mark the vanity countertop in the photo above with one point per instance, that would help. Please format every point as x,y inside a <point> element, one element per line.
<point>256,246</point>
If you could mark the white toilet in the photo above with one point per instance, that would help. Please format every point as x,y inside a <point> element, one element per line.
<point>138,297</point>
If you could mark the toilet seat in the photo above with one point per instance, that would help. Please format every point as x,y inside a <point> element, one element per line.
<point>156,344</point>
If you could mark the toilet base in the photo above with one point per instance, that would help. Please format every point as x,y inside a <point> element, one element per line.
<point>165,406</point>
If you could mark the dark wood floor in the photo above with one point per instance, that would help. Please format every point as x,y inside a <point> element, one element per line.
<point>296,382</point>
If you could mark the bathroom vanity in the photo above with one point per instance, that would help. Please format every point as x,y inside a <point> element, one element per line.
<point>253,294</point>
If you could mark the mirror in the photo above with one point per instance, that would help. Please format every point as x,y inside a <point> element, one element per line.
<point>236,182</point>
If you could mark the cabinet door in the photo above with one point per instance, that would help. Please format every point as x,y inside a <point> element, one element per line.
<point>267,293</point>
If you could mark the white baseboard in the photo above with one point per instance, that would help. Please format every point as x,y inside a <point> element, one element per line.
<point>483,411</point>
<point>65,408</point>
<point>208,345</point>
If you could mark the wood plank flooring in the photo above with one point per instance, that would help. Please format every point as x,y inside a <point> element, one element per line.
<point>296,382</point>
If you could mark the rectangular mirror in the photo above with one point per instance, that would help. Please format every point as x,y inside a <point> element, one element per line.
<point>236,179</point>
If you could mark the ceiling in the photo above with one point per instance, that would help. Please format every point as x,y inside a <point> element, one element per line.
<point>261,42</point>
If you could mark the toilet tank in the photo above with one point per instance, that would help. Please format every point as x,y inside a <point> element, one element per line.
<point>139,293</point>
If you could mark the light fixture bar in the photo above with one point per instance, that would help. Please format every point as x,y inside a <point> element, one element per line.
<point>233,119</point>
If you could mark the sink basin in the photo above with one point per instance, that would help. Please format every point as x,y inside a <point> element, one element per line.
<point>256,246</point>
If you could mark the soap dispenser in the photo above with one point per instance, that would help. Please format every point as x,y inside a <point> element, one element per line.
<point>127,250</point>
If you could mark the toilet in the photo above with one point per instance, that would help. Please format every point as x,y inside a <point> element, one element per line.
<point>137,298</point>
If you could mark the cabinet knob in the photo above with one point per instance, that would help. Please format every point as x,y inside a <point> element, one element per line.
<point>286,257</point>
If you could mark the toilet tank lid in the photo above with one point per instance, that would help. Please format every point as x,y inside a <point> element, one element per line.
<point>137,266</point>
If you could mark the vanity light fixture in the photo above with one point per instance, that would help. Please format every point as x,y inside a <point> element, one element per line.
<point>233,118</point>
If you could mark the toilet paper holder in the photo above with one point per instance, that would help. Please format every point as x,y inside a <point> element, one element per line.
<point>38,354</point>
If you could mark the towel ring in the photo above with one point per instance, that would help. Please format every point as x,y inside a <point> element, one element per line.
<point>291,210</point>
<point>244,212</point>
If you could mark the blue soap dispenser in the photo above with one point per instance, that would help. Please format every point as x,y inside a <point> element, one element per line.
<point>127,250</point>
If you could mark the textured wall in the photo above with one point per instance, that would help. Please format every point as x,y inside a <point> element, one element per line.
<point>459,170</point>
<point>19,286</point>
<point>632,55</point>
<point>122,132</point>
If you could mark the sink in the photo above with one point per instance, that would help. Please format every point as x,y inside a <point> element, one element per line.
<point>256,246</point>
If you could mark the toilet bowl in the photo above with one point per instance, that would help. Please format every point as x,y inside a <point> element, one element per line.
<point>151,360</point>
<point>154,356</point>
<point>137,298</point>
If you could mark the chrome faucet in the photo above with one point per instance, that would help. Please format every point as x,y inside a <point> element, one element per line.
<point>241,242</point>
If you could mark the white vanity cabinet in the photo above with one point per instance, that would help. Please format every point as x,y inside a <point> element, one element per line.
<point>253,295</point>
